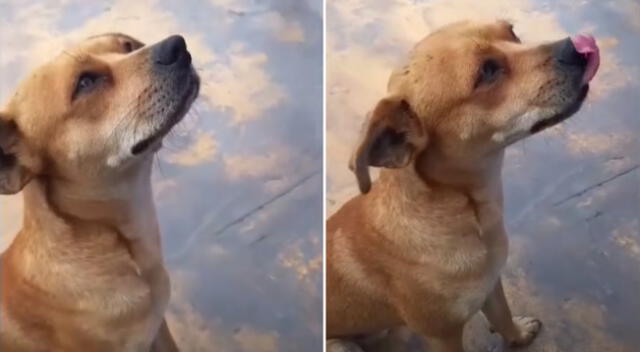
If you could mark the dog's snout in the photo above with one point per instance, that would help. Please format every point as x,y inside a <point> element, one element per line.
<point>565,53</point>
<point>171,51</point>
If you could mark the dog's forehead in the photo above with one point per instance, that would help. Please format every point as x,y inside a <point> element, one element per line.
<point>457,46</point>
<point>450,57</point>
<point>494,30</point>
<point>468,33</point>
<point>106,43</point>
<point>53,77</point>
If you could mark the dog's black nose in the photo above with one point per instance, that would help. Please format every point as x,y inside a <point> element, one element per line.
<point>170,51</point>
<point>565,52</point>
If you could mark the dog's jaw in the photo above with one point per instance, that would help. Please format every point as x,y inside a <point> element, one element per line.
<point>538,119</point>
<point>562,115</point>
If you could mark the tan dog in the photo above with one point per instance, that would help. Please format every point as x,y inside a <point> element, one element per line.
<point>85,272</point>
<point>425,244</point>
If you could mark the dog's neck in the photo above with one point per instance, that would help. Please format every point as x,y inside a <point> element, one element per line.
<point>125,204</point>
<point>59,241</point>
<point>430,173</point>
<point>434,188</point>
<point>480,177</point>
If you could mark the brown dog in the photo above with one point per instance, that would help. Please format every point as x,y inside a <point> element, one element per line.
<point>425,244</point>
<point>85,272</point>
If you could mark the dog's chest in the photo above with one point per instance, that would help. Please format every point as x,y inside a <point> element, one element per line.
<point>464,267</point>
<point>120,321</point>
<point>126,305</point>
<point>96,304</point>
<point>471,294</point>
<point>474,293</point>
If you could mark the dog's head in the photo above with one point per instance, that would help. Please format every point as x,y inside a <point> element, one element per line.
<point>96,110</point>
<point>471,89</point>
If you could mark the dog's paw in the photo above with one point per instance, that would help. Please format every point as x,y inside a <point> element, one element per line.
<point>528,329</point>
<point>342,346</point>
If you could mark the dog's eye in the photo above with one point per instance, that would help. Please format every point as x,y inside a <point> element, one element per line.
<point>128,47</point>
<point>86,83</point>
<point>489,73</point>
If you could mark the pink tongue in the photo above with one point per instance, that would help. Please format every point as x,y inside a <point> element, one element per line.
<point>586,45</point>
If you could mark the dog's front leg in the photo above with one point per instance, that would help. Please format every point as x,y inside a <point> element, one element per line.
<point>517,331</point>
<point>164,341</point>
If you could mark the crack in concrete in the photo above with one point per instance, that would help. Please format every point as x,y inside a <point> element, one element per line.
<point>259,207</point>
<point>596,185</point>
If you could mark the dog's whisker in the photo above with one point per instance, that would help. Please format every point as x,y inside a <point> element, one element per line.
<point>158,166</point>
<point>121,125</point>
<point>126,117</point>
<point>196,111</point>
<point>171,144</point>
<point>75,57</point>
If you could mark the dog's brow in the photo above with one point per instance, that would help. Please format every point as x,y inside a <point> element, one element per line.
<point>71,55</point>
<point>113,35</point>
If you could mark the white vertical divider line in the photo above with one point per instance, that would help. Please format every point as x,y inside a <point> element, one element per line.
<point>324,174</point>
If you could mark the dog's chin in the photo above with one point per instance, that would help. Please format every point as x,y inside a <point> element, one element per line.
<point>564,114</point>
<point>154,140</point>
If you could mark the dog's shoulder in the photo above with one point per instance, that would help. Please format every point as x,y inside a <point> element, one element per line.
<point>350,216</point>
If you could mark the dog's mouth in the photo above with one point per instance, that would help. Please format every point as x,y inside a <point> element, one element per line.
<point>173,118</point>
<point>586,46</point>
<point>564,114</point>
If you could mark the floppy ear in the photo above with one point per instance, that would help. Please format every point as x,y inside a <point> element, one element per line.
<point>391,138</point>
<point>13,175</point>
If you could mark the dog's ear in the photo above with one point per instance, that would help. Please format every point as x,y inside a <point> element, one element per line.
<point>391,138</point>
<point>13,175</point>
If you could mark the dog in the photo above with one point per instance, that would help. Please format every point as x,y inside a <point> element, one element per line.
<point>86,272</point>
<point>424,245</point>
